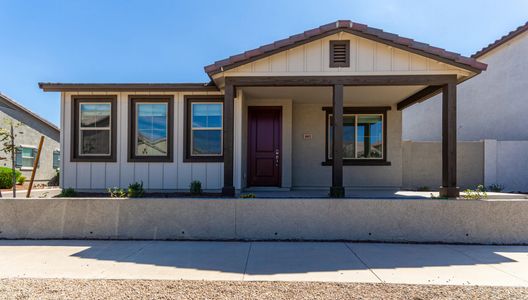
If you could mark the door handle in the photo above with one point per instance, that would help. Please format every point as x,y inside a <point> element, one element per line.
<point>276,157</point>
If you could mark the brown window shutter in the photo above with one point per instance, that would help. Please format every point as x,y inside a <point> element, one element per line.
<point>339,54</point>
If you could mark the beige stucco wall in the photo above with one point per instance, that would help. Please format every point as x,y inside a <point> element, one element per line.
<point>28,135</point>
<point>422,163</point>
<point>309,154</point>
<point>491,105</point>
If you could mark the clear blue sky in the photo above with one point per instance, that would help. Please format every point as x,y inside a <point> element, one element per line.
<point>171,41</point>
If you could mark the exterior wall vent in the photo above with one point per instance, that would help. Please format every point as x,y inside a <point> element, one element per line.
<point>340,54</point>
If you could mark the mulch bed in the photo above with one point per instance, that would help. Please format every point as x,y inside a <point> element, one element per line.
<point>159,289</point>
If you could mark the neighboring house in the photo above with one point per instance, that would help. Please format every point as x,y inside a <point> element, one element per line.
<point>491,108</point>
<point>30,127</point>
<point>266,119</point>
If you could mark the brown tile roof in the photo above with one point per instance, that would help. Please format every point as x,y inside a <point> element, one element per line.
<point>354,28</point>
<point>501,41</point>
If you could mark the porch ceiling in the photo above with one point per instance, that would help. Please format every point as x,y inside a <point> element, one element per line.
<point>353,95</point>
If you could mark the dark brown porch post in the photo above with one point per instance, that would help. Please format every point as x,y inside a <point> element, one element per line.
<point>229,104</point>
<point>449,142</point>
<point>337,190</point>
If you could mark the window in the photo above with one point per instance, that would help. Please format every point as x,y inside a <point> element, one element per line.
<point>94,119</point>
<point>25,157</point>
<point>204,129</point>
<point>340,54</point>
<point>364,134</point>
<point>151,128</point>
<point>56,159</point>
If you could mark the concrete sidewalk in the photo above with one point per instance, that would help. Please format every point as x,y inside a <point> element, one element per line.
<point>266,261</point>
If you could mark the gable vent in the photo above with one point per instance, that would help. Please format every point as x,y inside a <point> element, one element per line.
<point>339,54</point>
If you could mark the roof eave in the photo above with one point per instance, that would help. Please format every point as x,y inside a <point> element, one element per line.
<point>501,41</point>
<point>122,87</point>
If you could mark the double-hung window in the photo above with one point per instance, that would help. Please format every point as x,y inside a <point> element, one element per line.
<point>151,126</point>
<point>204,129</point>
<point>94,122</point>
<point>364,135</point>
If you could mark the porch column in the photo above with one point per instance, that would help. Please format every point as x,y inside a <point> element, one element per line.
<point>228,149</point>
<point>449,142</point>
<point>337,190</point>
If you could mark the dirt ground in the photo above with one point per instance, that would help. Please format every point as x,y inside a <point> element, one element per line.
<point>157,289</point>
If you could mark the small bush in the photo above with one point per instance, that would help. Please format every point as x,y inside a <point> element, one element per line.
<point>116,192</point>
<point>68,192</point>
<point>135,190</point>
<point>6,177</point>
<point>476,194</point>
<point>246,196</point>
<point>54,181</point>
<point>497,188</point>
<point>196,187</point>
<point>21,179</point>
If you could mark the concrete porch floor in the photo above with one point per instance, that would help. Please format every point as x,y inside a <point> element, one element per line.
<point>266,261</point>
<point>362,194</point>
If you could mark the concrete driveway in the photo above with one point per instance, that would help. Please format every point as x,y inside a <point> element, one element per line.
<point>266,261</point>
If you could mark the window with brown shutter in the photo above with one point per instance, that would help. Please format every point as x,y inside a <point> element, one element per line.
<point>339,54</point>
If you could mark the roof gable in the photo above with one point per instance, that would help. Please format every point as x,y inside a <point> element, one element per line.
<point>366,58</point>
<point>356,29</point>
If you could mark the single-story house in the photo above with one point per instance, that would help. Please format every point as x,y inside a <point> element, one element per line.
<point>320,109</point>
<point>29,127</point>
<point>491,111</point>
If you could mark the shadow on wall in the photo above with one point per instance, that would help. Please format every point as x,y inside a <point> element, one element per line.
<point>264,258</point>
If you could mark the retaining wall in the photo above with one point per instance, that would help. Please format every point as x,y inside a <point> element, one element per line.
<point>391,220</point>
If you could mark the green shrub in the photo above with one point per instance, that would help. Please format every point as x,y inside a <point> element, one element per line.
<point>196,187</point>
<point>6,177</point>
<point>476,194</point>
<point>247,196</point>
<point>21,179</point>
<point>68,192</point>
<point>135,190</point>
<point>117,192</point>
<point>497,188</point>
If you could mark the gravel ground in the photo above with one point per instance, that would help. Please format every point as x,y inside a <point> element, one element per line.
<point>157,289</point>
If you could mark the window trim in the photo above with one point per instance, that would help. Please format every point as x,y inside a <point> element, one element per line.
<point>189,100</point>
<point>133,100</point>
<point>56,151</point>
<point>376,110</point>
<point>75,156</point>
<point>27,168</point>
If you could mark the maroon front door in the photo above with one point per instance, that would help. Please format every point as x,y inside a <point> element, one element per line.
<point>264,145</point>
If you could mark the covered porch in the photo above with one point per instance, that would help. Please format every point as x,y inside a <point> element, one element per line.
<point>318,153</point>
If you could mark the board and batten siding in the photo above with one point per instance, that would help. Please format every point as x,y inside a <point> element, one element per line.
<point>366,58</point>
<point>175,175</point>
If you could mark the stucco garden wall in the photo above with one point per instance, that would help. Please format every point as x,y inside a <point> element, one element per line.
<point>506,163</point>
<point>392,220</point>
